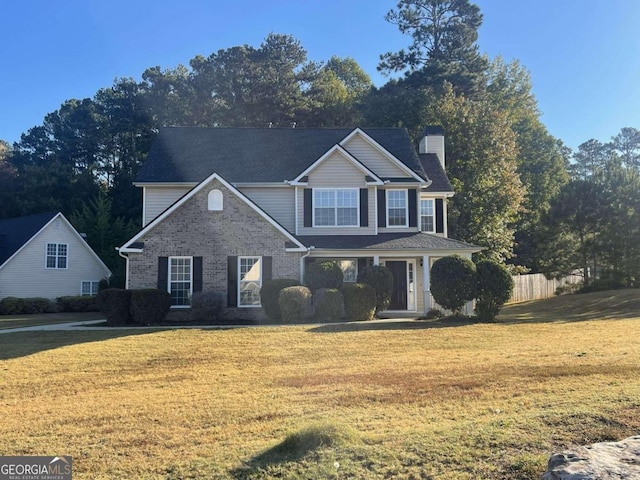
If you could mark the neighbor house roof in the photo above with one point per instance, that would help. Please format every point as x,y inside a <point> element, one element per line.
<point>15,232</point>
<point>386,241</point>
<point>191,154</point>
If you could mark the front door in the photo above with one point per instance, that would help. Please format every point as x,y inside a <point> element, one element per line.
<point>399,295</point>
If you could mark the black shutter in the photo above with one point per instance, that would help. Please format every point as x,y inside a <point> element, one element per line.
<point>232,281</point>
<point>163,273</point>
<point>413,208</point>
<point>364,207</point>
<point>439,215</point>
<point>362,264</point>
<point>308,206</point>
<point>267,268</point>
<point>197,274</point>
<point>382,208</point>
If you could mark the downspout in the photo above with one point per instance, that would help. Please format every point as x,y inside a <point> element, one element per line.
<point>302,263</point>
<point>126,268</point>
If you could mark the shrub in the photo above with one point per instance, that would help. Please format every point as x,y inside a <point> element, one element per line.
<point>115,304</point>
<point>149,306</point>
<point>207,306</point>
<point>359,301</point>
<point>12,306</point>
<point>495,285</point>
<point>103,284</point>
<point>329,304</point>
<point>270,295</point>
<point>453,282</point>
<point>38,305</point>
<point>381,279</point>
<point>294,302</point>
<point>77,304</point>
<point>323,274</point>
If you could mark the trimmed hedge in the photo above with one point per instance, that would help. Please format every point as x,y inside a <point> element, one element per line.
<point>270,295</point>
<point>495,285</point>
<point>26,306</point>
<point>453,282</point>
<point>323,274</point>
<point>207,306</point>
<point>77,304</point>
<point>329,304</point>
<point>149,306</point>
<point>115,304</point>
<point>294,302</point>
<point>381,279</point>
<point>12,306</point>
<point>359,301</point>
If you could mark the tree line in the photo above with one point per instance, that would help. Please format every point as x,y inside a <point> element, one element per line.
<point>510,175</point>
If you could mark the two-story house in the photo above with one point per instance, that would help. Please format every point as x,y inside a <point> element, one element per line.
<point>225,209</point>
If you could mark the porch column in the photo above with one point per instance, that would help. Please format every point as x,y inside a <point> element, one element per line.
<point>426,285</point>
<point>468,308</point>
<point>376,259</point>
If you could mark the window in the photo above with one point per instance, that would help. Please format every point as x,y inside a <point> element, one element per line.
<point>88,288</point>
<point>397,206</point>
<point>250,281</point>
<point>335,207</point>
<point>180,280</point>
<point>215,200</point>
<point>427,219</point>
<point>349,270</point>
<point>56,255</point>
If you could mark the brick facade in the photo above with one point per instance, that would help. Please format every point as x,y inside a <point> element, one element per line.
<point>194,230</point>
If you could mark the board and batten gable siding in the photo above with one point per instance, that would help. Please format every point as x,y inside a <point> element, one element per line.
<point>337,172</point>
<point>373,158</point>
<point>157,199</point>
<point>278,202</point>
<point>25,274</point>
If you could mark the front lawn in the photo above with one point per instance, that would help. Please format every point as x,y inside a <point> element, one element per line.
<point>397,400</point>
<point>19,321</point>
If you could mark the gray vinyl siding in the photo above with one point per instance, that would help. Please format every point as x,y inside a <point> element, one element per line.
<point>278,202</point>
<point>373,158</point>
<point>158,199</point>
<point>26,276</point>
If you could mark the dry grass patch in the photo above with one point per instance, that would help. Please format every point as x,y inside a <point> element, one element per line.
<point>470,401</point>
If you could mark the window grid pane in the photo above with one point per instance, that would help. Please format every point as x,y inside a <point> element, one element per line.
<point>396,208</point>
<point>426,216</point>
<point>250,281</point>
<point>56,255</point>
<point>180,281</point>
<point>336,207</point>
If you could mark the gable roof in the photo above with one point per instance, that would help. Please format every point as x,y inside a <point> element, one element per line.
<point>434,171</point>
<point>417,241</point>
<point>135,244</point>
<point>16,232</point>
<point>191,154</point>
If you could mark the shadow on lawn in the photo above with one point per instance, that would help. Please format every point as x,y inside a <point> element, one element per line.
<point>21,344</point>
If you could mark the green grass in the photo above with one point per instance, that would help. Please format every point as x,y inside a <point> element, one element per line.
<point>432,400</point>
<point>19,321</point>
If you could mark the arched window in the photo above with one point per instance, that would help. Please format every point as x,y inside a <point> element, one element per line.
<point>215,200</point>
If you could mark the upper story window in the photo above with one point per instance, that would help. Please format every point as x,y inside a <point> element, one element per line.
<point>427,216</point>
<point>56,255</point>
<point>335,207</point>
<point>215,200</point>
<point>397,208</point>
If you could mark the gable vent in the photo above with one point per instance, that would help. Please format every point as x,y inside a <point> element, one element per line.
<point>57,224</point>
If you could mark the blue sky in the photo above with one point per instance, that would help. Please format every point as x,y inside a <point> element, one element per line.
<point>583,55</point>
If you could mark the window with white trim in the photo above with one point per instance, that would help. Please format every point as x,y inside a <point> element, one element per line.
<point>349,269</point>
<point>215,200</point>
<point>56,255</point>
<point>335,207</point>
<point>249,281</point>
<point>397,208</point>
<point>427,216</point>
<point>88,288</point>
<point>180,280</point>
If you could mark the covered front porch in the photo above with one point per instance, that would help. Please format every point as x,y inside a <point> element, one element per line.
<point>409,257</point>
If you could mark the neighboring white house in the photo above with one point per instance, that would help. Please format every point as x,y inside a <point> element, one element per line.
<point>44,256</point>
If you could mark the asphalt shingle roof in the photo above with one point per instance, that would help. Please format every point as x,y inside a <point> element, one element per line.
<point>434,171</point>
<point>191,154</point>
<point>385,241</point>
<point>15,232</point>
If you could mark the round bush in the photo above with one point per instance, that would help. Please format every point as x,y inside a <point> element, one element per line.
<point>453,282</point>
<point>270,295</point>
<point>149,306</point>
<point>495,285</point>
<point>294,303</point>
<point>359,301</point>
<point>323,274</point>
<point>207,306</point>
<point>381,279</point>
<point>329,304</point>
<point>115,304</point>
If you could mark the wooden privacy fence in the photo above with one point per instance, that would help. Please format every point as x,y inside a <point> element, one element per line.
<point>536,286</point>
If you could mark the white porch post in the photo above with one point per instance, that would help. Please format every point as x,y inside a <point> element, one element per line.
<point>376,259</point>
<point>468,308</point>
<point>426,285</point>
